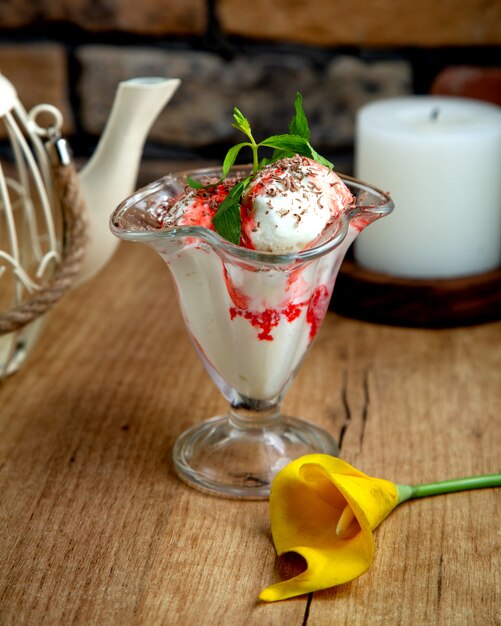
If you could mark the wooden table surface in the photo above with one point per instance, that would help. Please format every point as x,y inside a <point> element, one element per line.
<point>96,529</point>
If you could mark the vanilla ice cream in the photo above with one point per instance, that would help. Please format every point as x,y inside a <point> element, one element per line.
<point>252,324</point>
<point>252,320</point>
<point>289,203</point>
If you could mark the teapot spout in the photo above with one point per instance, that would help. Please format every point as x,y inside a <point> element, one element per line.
<point>111,173</point>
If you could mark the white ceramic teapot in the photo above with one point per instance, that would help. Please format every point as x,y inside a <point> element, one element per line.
<point>111,173</point>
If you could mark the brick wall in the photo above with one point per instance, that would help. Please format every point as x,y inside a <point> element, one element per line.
<point>339,53</point>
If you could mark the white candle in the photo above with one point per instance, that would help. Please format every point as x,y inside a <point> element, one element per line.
<point>440,159</point>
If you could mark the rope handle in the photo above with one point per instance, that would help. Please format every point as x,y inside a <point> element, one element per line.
<point>74,228</point>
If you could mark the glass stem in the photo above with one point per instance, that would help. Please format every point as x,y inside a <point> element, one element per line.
<point>407,492</point>
<point>254,413</point>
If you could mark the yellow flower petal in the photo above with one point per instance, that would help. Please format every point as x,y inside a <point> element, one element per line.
<point>309,499</point>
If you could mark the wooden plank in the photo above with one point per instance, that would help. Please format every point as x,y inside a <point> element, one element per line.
<point>96,529</point>
<point>423,406</point>
<point>95,526</point>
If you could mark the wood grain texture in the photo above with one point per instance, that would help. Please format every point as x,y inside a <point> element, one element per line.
<point>96,529</point>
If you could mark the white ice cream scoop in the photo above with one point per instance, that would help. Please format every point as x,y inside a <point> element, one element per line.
<point>289,203</point>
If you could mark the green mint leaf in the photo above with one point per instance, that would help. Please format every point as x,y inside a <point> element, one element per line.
<point>231,156</point>
<point>265,162</point>
<point>320,159</point>
<point>227,219</point>
<point>195,184</point>
<point>277,155</point>
<point>299,124</point>
<point>241,122</point>
<point>288,143</point>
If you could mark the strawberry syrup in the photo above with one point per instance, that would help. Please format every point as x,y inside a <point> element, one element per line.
<point>265,321</point>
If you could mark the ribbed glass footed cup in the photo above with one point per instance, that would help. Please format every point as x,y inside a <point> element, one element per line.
<point>252,316</point>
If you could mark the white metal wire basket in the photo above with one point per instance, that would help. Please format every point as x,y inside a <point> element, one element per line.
<point>32,224</point>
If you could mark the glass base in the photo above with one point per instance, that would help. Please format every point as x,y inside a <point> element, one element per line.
<point>226,458</point>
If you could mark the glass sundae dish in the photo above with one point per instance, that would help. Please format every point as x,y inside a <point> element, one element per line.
<point>253,306</point>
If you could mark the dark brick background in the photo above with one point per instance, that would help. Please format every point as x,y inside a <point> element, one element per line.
<point>255,55</point>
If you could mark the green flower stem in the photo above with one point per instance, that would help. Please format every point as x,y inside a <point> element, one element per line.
<point>408,492</point>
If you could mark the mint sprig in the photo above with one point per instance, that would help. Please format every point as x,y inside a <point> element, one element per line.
<point>289,145</point>
<point>227,220</point>
<point>299,124</point>
<point>196,184</point>
<point>298,127</point>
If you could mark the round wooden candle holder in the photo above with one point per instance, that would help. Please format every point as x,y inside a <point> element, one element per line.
<point>425,303</point>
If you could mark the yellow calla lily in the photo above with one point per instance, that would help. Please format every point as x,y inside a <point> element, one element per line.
<point>325,510</point>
